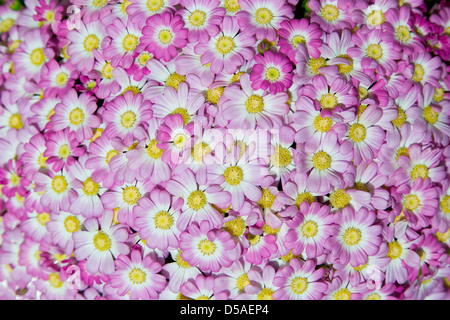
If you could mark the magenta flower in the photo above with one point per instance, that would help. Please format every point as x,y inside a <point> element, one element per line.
<point>138,276</point>
<point>62,149</point>
<point>271,71</point>
<point>57,78</point>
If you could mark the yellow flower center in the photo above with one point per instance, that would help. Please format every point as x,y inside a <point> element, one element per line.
<point>321,160</point>
<point>128,119</point>
<point>137,276</point>
<point>59,184</point>
<point>153,151</point>
<point>182,263</point>
<point>339,199</point>
<point>101,241</point>
<point>236,77</point>
<point>179,140</point>
<point>143,58</point>
<point>263,16</point>
<point>54,280</point>
<point>232,6</point>
<point>15,179</point>
<point>411,202</point>
<point>107,71</point>
<point>352,236</point>
<point>174,80</point>
<point>242,281</point>
<point>111,154</point>
<point>13,46</point>
<point>41,160</point>
<point>281,157</point>
<point>254,104</point>
<point>99,3</point>
<point>345,68</point>
<point>72,224</point>
<point>184,113</point>
<point>438,94</point>
<point>328,101</point>
<point>342,294</point>
<point>197,18</point>
<point>155,5</point>
<point>304,196</point>
<point>315,64</point>
<point>330,12</point>
<point>269,230</point>
<point>90,187</point>
<point>322,124</point>
<point>163,220</point>
<point>196,200</point>
<point>124,6</point>
<point>402,151</point>
<point>267,199</point>
<point>130,42</point>
<point>265,294</point>
<point>430,115</point>
<point>253,239</point>
<point>376,18</point>
<point>131,195</point>
<point>233,175</point>
<point>299,285</point>
<point>37,57</point>
<point>76,116</point>
<point>6,24</point>
<point>419,73</point>
<point>401,118</point>
<point>43,218</point>
<point>443,237</point>
<point>61,79</point>
<point>213,95</point>
<point>64,151</point>
<point>15,121</point>
<point>207,247</point>
<point>165,36</point>
<point>419,171</point>
<point>403,33</point>
<point>199,150</point>
<point>357,132</point>
<point>445,204</point>
<point>235,227</point>
<point>373,296</point>
<point>296,40</point>
<point>395,250</point>
<point>309,229</point>
<point>225,45</point>
<point>91,42</point>
<point>375,51</point>
<point>272,74</point>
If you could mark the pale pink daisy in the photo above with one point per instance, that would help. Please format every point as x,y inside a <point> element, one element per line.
<point>332,14</point>
<point>234,279</point>
<point>140,10</point>
<point>271,71</point>
<point>261,285</point>
<point>61,227</point>
<point>42,111</point>
<point>57,78</point>
<point>179,271</point>
<point>62,149</point>
<point>202,288</point>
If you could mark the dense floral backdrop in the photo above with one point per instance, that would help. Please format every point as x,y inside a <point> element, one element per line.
<point>224,149</point>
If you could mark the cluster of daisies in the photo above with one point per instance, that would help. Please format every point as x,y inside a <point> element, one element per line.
<point>224,149</point>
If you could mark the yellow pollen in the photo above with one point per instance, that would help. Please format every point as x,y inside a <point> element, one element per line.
<point>111,154</point>
<point>297,39</point>
<point>321,160</point>
<point>232,5</point>
<point>13,46</point>
<point>37,57</point>
<point>328,101</point>
<point>401,118</point>
<point>182,263</point>
<point>99,3</point>
<point>342,294</point>
<point>15,121</point>
<point>263,16</point>
<point>281,157</point>
<point>124,6</point>
<point>107,71</point>
<point>101,241</point>
<point>443,237</point>
<point>361,266</point>
<point>196,200</point>
<point>72,224</point>
<point>360,186</point>
<point>402,151</point>
<point>61,79</point>
<point>430,115</point>
<point>362,93</point>
<point>419,171</point>
<point>403,33</point>
<point>254,104</point>
<point>299,285</point>
<point>315,64</point>
<point>272,74</point>
<point>352,236</point>
<point>373,296</point>
<point>330,12</point>
<point>235,227</point>
<point>357,132</point>
<point>199,150</point>
<point>376,18</point>
<point>267,199</point>
<point>6,24</point>
<point>309,229</point>
<point>225,45</point>
<point>54,280</point>
<point>197,18</point>
<point>395,250</point>
<point>143,58</point>
<point>213,95</point>
<point>253,239</point>
<point>375,51</point>
<point>59,184</point>
<point>236,77</point>
<point>50,114</point>
<point>43,218</point>
<point>155,5</point>
<point>37,255</point>
<point>76,116</point>
<point>411,202</point>
<point>64,151</point>
<point>165,36</point>
<point>179,140</point>
<point>206,247</point>
<point>163,220</point>
<point>15,179</point>
<point>90,187</point>
<point>131,195</point>
<point>130,42</point>
<point>304,196</point>
<point>153,151</point>
<point>439,94</point>
<point>339,199</point>
<point>419,73</point>
<point>269,230</point>
<point>322,124</point>
<point>345,68</point>
<point>184,113</point>
<point>202,297</point>
<point>128,119</point>
<point>91,42</point>
<point>445,204</point>
<point>233,175</point>
<point>265,294</point>
<point>174,80</point>
<point>137,276</point>
<point>242,281</point>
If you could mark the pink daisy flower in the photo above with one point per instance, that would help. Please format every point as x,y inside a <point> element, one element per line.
<point>12,181</point>
<point>126,116</point>
<point>332,15</point>
<point>101,243</point>
<point>299,281</point>
<point>271,71</point>
<point>262,18</point>
<point>178,272</point>
<point>77,113</point>
<point>156,220</point>
<point>259,248</point>
<point>341,288</point>
<point>61,227</point>
<point>423,69</point>
<point>202,288</point>
<point>33,156</point>
<point>138,276</point>
<point>228,49</point>
<point>29,256</point>
<point>140,10</point>
<point>106,84</point>
<point>35,226</point>
<point>53,288</point>
<point>57,78</point>
<point>234,279</point>
<point>261,285</point>
<point>62,149</point>
<point>206,248</point>
<point>163,35</point>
